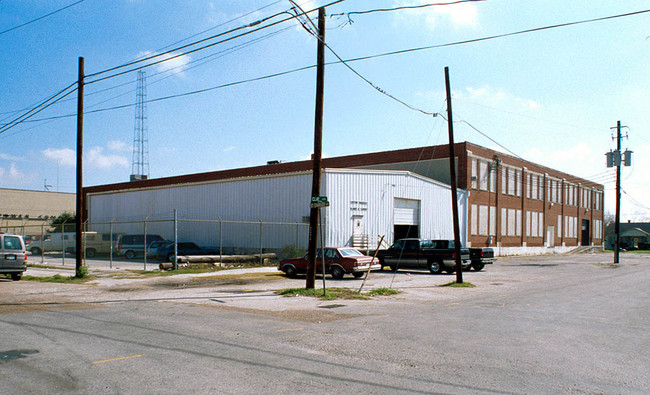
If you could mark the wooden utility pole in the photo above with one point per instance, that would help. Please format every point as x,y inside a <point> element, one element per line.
<point>617,225</point>
<point>318,147</point>
<point>79,198</point>
<point>452,173</point>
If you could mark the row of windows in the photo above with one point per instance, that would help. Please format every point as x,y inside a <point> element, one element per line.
<point>483,223</point>
<point>484,179</point>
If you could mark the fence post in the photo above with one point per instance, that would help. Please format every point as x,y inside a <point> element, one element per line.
<point>175,241</point>
<point>220,241</point>
<point>110,256</point>
<point>83,242</point>
<point>42,243</point>
<point>261,240</point>
<point>63,243</point>
<point>145,243</point>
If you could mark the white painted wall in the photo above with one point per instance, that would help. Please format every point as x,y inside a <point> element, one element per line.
<point>279,199</point>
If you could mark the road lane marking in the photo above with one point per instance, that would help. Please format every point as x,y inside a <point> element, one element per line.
<point>118,359</point>
<point>289,329</point>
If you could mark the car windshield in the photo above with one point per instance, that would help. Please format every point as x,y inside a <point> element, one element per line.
<point>350,252</point>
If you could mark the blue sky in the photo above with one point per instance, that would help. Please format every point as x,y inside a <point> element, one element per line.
<point>549,96</point>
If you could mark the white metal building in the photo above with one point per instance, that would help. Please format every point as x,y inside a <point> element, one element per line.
<point>270,211</point>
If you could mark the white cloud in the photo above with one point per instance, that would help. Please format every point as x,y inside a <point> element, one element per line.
<point>8,157</point>
<point>228,149</point>
<point>118,145</point>
<point>97,158</point>
<point>496,97</point>
<point>459,15</point>
<point>171,62</point>
<point>63,156</point>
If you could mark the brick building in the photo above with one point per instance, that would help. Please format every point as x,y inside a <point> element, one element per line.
<point>514,205</point>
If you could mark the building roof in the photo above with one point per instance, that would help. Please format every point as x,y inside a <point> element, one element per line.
<point>641,227</point>
<point>349,161</point>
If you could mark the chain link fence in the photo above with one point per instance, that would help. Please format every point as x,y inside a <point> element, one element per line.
<point>230,237</point>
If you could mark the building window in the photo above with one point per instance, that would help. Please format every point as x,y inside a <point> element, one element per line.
<point>533,186</point>
<point>504,180</point>
<point>518,223</point>
<point>511,181</point>
<point>528,176</point>
<point>474,225</point>
<point>518,180</point>
<point>559,226</point>
<point>483,175</point>
<point>541,224</point>
<point>474,174</point>
<point>504,223</point>
<point>493,221</point>
<point>493,180</point>
<point>533,223</point>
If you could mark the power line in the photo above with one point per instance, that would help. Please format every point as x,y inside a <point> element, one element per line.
<point>408,7</point>
<point>39,107</point>
<point>170,52</point>
<point>493,37</point>
<point>339,61</point>
<point>41,17</point>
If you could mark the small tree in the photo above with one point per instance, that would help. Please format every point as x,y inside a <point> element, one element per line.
<point>65,218</point>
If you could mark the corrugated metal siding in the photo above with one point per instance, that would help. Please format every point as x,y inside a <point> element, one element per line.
<point>269,199</point>
<point>367,193</point>
<point>379,189</point>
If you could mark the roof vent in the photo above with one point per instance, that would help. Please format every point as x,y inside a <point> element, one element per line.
<point>273,162</point>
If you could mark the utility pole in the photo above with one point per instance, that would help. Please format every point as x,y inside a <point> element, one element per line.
<point>79,197</point>
<point>452,173</point>
<point>318,146</point>
<point>614,158</point>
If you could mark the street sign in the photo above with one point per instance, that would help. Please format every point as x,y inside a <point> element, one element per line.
<point>319,201</point>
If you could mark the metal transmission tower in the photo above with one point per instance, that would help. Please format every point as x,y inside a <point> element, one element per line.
<point>140,162</point>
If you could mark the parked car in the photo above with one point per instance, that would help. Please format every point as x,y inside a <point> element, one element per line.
<point>153,247</point>
<point>133,245</point>
<point>338,262</point>
<point>436,255</point>
<point>13,256</point>
<point>166,251</point>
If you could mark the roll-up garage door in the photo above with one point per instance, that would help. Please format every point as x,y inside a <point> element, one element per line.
<point>407,212</point>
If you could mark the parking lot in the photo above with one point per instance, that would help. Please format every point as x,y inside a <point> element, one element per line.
<point>542,324</point>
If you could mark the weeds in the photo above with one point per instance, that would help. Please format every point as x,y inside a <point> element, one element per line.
<point>336,293</point>
<point>454,284</point>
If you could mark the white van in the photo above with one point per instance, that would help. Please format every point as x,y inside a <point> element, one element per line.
<point>52,242</point>
<point>13,258</point>
<point>95,243</point>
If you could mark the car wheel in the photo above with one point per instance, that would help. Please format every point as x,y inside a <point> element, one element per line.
<point>290,271</point>
<point>170,258</point>
<point>16,276</point>
<point>90,253</point>
<point>435,267</point>
<point>35,251</point>
<point>129,254</point>
<point>358,274</point>
<point>337,272</point>
<point>478,266</point>
<point>450,269</point>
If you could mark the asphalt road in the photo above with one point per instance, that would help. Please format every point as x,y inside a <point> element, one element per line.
<point>557,324</point>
